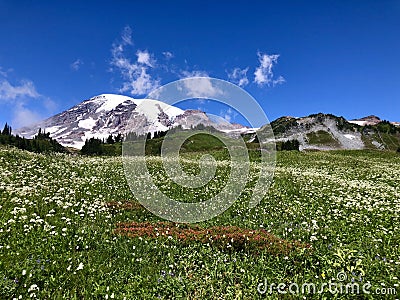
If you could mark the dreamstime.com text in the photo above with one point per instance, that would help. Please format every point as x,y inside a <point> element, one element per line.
<point>340,287</point>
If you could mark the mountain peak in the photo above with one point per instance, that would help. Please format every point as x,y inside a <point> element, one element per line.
<point>328,132</point>
<point>369,120</point>
<point>101,116</point>
<point>107,114</point>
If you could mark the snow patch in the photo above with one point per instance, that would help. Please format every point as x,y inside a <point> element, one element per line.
<point>241,130</point>
<point>110,102</point>
<point>150,108</point>
<point>87,123</point>
<point>378,145</point>
<point>350,136</point>
<point>52,129</point>
<point>360,123</point>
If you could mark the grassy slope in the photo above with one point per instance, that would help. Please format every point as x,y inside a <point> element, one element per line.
<point>322,137</point>
<point>345,203</point>
<point>383,133</point>
<point>198,142</point>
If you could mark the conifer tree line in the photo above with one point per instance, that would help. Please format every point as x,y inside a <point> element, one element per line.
<point>112,145</point>
<point>42,142</point>
<point>288,145</point>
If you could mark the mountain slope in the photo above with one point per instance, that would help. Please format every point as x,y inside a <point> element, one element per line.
<point>101,116</point>
<point>329,132</point>
<point>108,114</point>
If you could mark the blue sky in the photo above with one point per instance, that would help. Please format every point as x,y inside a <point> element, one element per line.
<point>294,57</point>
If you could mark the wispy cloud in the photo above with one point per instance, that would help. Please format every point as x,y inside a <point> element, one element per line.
<point>76,65</point>
<point>24,116</point>
<point>24,89</point>
<point>280,80</point>
<point>141,73</point>
<point>126,36</point>
<point>4,73</point>
<point>145,58</point>
<point>195,73</point>
<point>201,87</point>
<point>239,76</point>
<point>228,114</point>
<point>21,97</point>
<point>263,74</point>
<point>141,84</point>
<point>135,73</point>
<point>168,55</point>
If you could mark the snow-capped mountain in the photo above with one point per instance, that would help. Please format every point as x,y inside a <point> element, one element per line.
<point>108,114</point>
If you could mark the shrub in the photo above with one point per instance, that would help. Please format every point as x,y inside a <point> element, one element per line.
<point>222,237</point>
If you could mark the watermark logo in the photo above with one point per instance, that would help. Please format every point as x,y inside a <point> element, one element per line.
<point>341,286</point>
<point>139,178</point>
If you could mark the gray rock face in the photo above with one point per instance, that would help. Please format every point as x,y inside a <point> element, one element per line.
<point>329,132</point>
<point>319,132</point>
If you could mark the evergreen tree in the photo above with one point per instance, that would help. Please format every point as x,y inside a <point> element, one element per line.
<point>42,142</point>
<point>93,146</point>
<point>288,145</point>
<point>6,130</point>
<point>110,140</point>
<point>118,138</point>
<point>256,139</point>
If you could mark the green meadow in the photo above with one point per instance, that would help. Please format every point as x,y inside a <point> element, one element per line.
<point>329,218</point>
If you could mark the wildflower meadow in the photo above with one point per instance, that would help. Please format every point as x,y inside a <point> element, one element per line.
<point>70,228</point>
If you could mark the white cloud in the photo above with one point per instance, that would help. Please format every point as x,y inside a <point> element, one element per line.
<point>23,116</point>
<point>4,73</point>
<point>138,72</point>
<point>76,65</point>
<point>168,55</point>
<point>144,57</point>
<point>239,76</point>
<point>141,83</point>
<point>280,80</point>
<point>196,73</point>
<point>263,74</point>
<point>201,87</point>
<point>8,92</point>
<point>126,36</point>
<point>135,74</point>
<point>228,114</point>
<point>17,97</point>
